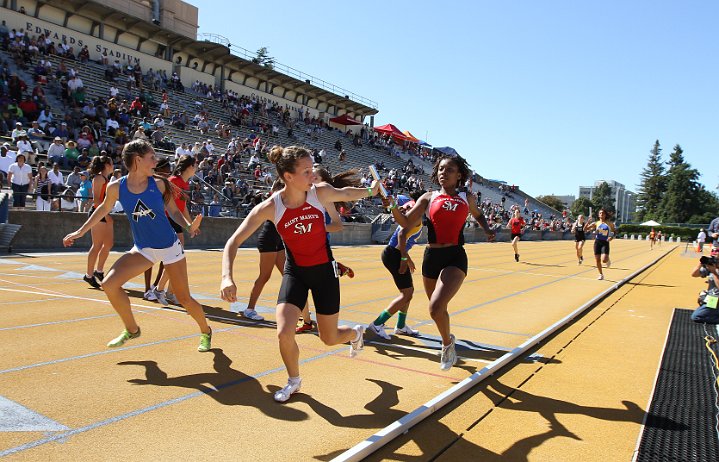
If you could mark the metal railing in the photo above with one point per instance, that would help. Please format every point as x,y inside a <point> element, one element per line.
<point>287,70</point>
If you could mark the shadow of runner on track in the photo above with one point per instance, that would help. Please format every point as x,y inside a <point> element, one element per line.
<point>227,386</point>
<point>433,438</point>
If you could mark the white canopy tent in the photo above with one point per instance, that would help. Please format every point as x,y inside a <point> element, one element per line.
<point>650,223</point>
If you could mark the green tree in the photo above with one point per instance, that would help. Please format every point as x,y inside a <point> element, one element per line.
<point>708,207</point>
<point>603,198</point>
<point>652,185</point>
<point>552,201</point>
<point>680,202</point>
<point>581,207</point>
<point>263,58</point>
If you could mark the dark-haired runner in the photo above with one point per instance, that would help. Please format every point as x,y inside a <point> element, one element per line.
<point>445,260</point>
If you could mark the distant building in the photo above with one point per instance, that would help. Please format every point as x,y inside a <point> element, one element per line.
<point>567,200</point>
<point>625,201</point>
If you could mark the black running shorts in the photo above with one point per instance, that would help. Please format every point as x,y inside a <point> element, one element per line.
<point>297,281</point>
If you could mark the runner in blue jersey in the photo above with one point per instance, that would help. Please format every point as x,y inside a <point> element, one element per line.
<point>400,265</point>
<point>605,233</point>
<point>144,199</point>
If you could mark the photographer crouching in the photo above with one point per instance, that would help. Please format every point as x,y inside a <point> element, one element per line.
<point>707,311</point>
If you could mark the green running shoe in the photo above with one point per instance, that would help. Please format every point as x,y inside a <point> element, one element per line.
<point>205,342</point>
<point>124,337</point>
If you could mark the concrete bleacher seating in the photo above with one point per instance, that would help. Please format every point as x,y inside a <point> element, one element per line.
<point>96,86</point>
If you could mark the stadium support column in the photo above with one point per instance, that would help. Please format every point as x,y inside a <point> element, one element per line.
<point>155,12</point>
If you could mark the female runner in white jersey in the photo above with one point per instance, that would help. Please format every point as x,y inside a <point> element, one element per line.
<point>144,199</point>
<point>445,261</point>
<point>297,211</point>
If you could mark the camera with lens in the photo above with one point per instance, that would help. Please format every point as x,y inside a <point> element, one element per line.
<point>708,260</point>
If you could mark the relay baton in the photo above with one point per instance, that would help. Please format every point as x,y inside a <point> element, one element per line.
<point>375,175</point>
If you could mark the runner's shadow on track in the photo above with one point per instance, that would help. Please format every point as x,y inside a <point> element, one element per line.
<point>446,444</point>
<point>542,264</point>
<point>381,408</point>
<point>226,385</point>
<point>404,347</point>
<point>643,284</point>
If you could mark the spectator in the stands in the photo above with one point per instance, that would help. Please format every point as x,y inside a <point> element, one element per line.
<point>56,152</point>
<point>19,179</point>
<point>23,145</point>
<point>29,108</point>
<point>215,206</point>
<point>15,135</point>
<point>74,179</point>
<point>7,158</point>
<point>61,131</point>
<point>83,160</point>
<point>83,142</point>
<point>37,136</point>
<point>56,179</point>
<point>71,153</point>
<point>43,190</point>
<point>84,192</point>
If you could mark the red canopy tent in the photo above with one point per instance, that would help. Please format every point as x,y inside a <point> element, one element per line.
<point>391,130</point>
<point>344,119</point>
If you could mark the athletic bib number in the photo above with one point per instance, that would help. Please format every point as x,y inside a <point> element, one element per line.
<point>711,301</point>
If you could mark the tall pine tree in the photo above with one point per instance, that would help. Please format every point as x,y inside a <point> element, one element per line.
<point>680,201</point>
<point>652,186</point>
<point>603,198</point>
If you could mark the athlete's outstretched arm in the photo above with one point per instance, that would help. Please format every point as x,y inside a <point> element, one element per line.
<point>328,193</point>
<point>111,195</point>
<point>410,219</point>
<point>258,215</point>
<point>479,216</point>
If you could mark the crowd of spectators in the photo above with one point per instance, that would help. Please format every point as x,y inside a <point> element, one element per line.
<point>234,176</point>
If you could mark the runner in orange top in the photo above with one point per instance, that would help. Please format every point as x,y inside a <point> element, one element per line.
<point>516,224</point>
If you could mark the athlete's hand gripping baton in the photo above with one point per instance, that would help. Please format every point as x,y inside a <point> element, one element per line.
<point>375,175</point>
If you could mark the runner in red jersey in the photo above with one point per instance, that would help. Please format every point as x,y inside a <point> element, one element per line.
<point>516,224</point>
<point>298,213</point>
<point>445,261</point>
<point>184,170</point>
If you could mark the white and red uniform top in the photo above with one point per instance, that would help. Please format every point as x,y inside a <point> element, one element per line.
<point>446,217</point>
<point>303,230</point>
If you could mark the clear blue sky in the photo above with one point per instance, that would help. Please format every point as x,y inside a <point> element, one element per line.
<point>549,95</point>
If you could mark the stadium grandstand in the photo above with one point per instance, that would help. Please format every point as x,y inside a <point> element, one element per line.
<point>97,74</point>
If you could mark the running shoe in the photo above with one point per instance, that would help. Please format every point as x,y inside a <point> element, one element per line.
<point>171,298</point>
<point>516,257</point>
<point>356,346</point>
<point>345,270</point>
<point>253,315</point>
<point>205,342</point>
<point>600,277</point>
<point>406,330</point>
<point>99,275</point>
<point>150,295</point>
<point>293,386</point>
<point>160,297</point>
<point>449,355</point>
<point>124,337</point>
<point>378,330</point>
<point>92,281</point>
<point>609,262</point>
<point>581,260</point>
<point>305,327</point>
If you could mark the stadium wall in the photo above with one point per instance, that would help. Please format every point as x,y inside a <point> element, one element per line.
<point>45,230</point>
<point>123,50</point>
